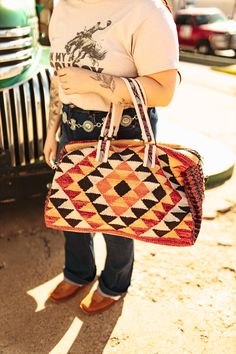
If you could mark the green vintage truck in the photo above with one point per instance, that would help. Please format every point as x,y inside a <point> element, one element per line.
<point>24,99</point>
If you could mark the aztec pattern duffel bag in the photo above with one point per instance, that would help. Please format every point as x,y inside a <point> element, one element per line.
<point>133,188</point>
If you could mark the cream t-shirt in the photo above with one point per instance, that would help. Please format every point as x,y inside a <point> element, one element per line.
<point>127,38</point>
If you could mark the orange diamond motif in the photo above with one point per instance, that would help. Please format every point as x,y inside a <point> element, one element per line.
<point>141,190</point>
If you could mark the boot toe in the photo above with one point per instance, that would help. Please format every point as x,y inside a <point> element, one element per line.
<point>95,302</point>
<point>64,290</point>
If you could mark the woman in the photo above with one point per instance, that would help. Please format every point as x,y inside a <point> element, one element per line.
<point>93,44</point>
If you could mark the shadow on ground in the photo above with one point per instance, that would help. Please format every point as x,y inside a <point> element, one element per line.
<point>30,258</point>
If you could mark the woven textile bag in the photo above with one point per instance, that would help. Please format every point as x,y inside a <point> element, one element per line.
<point>133,188</point>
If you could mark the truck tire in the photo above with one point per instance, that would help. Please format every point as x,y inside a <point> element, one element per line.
<point>204,47</point>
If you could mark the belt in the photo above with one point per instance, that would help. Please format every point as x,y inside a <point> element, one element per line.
<point>89,126</point>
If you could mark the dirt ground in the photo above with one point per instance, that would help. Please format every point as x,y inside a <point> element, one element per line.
<point>182,300</point>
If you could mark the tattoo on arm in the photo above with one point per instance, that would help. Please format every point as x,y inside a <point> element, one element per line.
<point>54,105</point>
<point>107,81</point>
<point>124,103</point>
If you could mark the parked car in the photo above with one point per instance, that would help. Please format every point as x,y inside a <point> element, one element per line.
<point>205,30</point>
<point>24,98</point>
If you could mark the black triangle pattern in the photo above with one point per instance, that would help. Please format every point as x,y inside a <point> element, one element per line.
<point>138,212</point>
<point>149,203</point>
<point>151,178</point>
<point>164,158</point>
<point>172,179</point>
<point>117,227</point>
<point>159,233</point>
<point>58,201</point>
<point>77,152</point>
<point>100,207</point>
<point>64,212</point>
<point>127,152</point>
<point>179,216</point>
<point>108,218</point>
<point>142,168</point>
<point>105,165</point>
<point>186,209</point>
<point>95,173</point>
<point>73,222</point>
<point>171,224</point>
<point>167,169</point>
<point>115,156</point>
<point>53,191</point>
<point>92,196</point>
<point>135,158</point>
<point>127,220</point>
<point>159,193</point>
<point>66,159</point>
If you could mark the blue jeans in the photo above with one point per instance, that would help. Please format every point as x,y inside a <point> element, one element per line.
<point>80,265</point>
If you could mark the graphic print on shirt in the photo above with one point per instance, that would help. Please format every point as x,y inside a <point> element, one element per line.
<point>82,46</point>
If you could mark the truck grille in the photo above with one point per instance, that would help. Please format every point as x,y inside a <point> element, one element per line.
<point>16,50</point>
<point>23,119</point>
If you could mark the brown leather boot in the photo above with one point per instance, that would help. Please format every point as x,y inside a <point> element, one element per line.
<point>64,290</point>
<point>95,302</point>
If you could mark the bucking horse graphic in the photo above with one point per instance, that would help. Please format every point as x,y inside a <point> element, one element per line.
<point>83,44</point>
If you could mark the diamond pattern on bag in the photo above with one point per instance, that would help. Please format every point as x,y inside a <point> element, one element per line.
<point>85,183</point>
<point>120,195</point>
<point>122,188</point>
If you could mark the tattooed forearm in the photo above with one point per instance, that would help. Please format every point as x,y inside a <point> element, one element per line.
<point>54,106</point>
<point>107,81</point>
<point>125,103</point>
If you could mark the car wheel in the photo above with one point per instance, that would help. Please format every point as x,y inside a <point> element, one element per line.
<point>204,47</point>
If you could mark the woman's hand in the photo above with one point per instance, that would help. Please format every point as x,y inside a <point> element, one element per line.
<point>75,80</point>
<point>50,149</point>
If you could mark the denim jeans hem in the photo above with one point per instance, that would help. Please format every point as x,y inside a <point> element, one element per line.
<point>107,291</point>
<point>72,282</point>
<point>72,278</point>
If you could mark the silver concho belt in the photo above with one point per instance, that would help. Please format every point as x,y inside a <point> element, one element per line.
<point>89,126</point>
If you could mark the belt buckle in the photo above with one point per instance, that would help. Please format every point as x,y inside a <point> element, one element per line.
<point>88,126</point>
<point>126,120</point>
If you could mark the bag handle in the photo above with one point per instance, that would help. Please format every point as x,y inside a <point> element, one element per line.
<point>138,97</point>
<point>108,131</point>
<point>113,119</point>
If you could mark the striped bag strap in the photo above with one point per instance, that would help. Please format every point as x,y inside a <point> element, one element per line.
<point>113,119</point>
